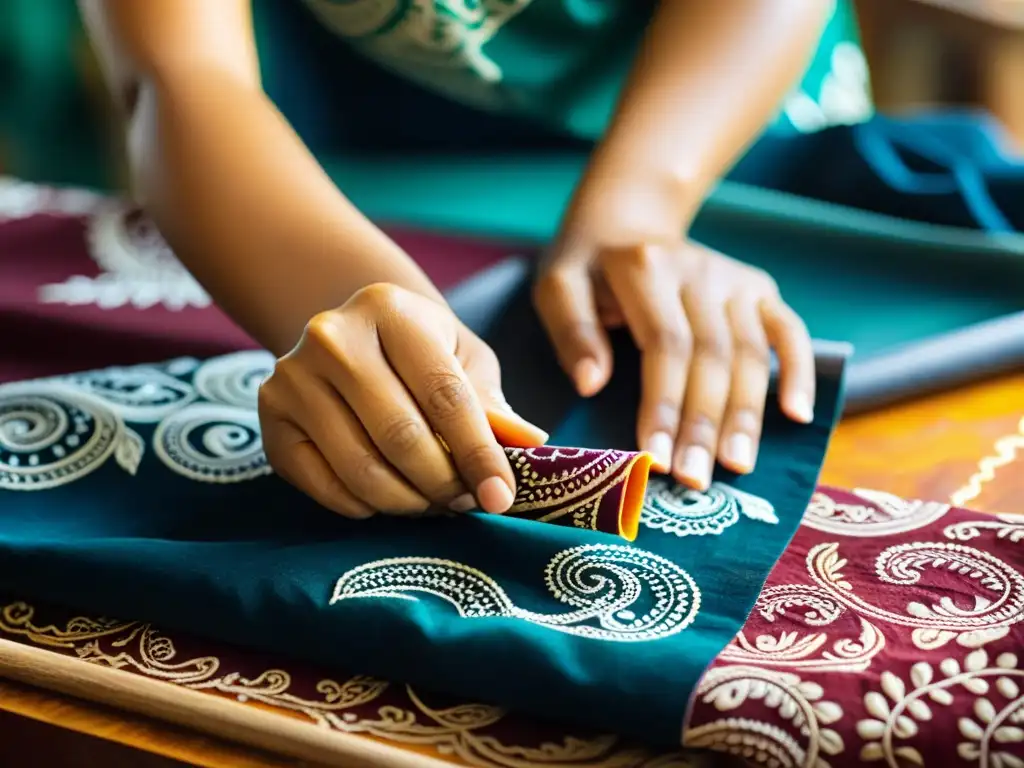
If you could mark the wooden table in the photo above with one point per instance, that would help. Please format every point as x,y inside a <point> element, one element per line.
<point>957,447</point>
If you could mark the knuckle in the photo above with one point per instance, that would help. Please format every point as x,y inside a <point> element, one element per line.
<point>273,393</point>
<point>715,347</point>
<point>479,461</point>
<point>324,329</point>
<point>448,395</point>
<point>752,346</point>
<point>377,296</point>
<point>403,433</point>
<point>677,340</point>
<point>700,429</point>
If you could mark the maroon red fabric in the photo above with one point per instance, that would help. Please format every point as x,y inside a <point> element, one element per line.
<point>890,632</point>
<point>87,282</point>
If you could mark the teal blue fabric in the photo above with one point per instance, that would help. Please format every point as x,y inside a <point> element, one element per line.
<point>562,63</point>
<point>859,276</point>
<point>254,563</point>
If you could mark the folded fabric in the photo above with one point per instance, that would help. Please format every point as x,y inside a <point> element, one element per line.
<point>598,490</point>
<point>144,491</point>
<point>891,632</point>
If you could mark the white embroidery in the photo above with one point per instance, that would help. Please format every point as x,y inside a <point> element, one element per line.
<point>1009,527</point>
<point>678,510</point>
<point>998,591</point>
<point>883,515</point>
<point>142,394</point>
<point>799,702</point>
<point>207,431</point>
<point>234,379</point>
<point>619,593</point>
<point>138,268</point>
<point>844,98</point>
<point>438,43</point>
<point>21,199</point>
<point>52,435</point>
<point>808,652</point>
<point>901,712</point>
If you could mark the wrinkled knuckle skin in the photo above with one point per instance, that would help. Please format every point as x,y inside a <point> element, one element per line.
<point>479,462</point>
<point>378,296</point>
<point>447,396</point>
<point>402,433</point>
<point>677,341</point>
<point>753,348</point>
<point>700,430</point>
<point>716,347</point>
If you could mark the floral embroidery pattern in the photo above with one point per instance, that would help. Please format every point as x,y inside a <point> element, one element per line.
<point>57,431</point>
<point>618,593</point>
<point>825,672</point>
<point>870,513</point>
<point>808,682</point>
<point>466,733</point>
<point>206,428</point>
<point>681,511</point>
<point>137,267</point>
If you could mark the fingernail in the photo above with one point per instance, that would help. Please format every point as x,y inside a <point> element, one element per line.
<point>588,377</point>
<point>739,451</point>
<point>802,408</point>
<point>494,496</point>
<point>462,503</point>
<point>697,466</point>
<point>659,445</point>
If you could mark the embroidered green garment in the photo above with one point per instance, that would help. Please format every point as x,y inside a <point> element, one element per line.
<point>144,493</point>
<point>564,62</point>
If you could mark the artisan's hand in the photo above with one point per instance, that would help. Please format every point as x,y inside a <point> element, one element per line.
<point>359,414</point>
<point>704,324</point>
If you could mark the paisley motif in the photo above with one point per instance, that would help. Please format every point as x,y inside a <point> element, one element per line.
<point>234,379</point>
<point>870,514</point>
<point>142,394</point>
<point>682,511</point>
<point>212,443</point>
<point>618,593</point>
<point>51,436</point>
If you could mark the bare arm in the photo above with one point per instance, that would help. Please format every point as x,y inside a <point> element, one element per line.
<point>238,196</point>
<point>708,78</point>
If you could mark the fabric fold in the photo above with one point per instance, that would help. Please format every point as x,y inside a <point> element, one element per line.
<point>597,490</point>
<point>123,484</point>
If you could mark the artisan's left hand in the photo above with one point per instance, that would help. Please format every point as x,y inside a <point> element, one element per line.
<point>704,324</point>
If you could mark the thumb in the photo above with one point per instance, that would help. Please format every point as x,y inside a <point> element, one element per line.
<point>484,373</point>
<point>564,297</point>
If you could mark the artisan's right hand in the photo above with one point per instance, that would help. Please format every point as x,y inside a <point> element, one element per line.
<point>359,414</point>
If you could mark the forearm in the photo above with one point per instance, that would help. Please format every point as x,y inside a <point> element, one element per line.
<point>708,78</point>
<point>248,209</point>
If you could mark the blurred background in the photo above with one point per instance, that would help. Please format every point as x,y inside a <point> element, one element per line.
<point>56,126</point>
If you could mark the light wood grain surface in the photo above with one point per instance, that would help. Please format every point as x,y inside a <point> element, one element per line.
<point>963,447</point>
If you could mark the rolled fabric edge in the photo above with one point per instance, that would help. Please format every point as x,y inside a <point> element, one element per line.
<point>591,489</point>
<point>631,505</point>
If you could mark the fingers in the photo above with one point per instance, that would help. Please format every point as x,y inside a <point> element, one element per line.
<point>484,373</point>
<point>751,372</point>
<point>324,435</point>
<point>296,459</point>
<point>792,343</point>
<point>655,317</point>
<point>565,301</point>
<point>707,394</point>
<point>449,401</point>
<point>355,366</point>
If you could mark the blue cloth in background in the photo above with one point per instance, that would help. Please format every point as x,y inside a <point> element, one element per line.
<point>950,168</point>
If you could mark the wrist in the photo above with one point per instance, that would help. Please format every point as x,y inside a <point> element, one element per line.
<point>644,201</point>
